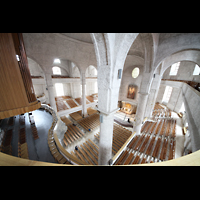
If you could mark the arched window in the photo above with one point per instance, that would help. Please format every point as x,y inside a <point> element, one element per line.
<point>196,70</point>
<point>135,72</point>
<point>174,69</point>
<point>56,70</point>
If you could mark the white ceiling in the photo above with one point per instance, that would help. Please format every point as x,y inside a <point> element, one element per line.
<point>84,37</point>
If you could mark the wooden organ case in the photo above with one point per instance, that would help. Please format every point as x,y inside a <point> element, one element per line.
<point>17,94</point>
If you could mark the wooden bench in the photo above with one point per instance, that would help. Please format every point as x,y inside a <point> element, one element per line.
<point>34,131</point>
<point>75,116</point>
<point>66,120</point>
<point>90,122</point>
<point>23,150</point>
<point>128,159</point>
<point>71,103</point>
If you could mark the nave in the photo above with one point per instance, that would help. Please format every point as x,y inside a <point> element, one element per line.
<point>155,143</point>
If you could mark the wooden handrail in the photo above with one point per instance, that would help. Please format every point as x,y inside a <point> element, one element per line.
<point>66,153</point>
<point>122,148</point>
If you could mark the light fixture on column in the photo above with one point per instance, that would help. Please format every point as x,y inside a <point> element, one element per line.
<point>119,73</point>
<point>101,118</point>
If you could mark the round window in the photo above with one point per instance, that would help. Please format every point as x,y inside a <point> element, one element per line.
<point>135,72</point>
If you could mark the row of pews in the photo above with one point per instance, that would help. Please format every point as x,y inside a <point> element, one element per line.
<point>120,135</point>
<point>72,134</point>
<point>90,123</point>
<point>33,127</point>
<point>71,103</point>
<point>166,127</point>
<point>146,149</point>
<point>60,102</point>
<point>155,143</point>
<point>6,145</point>
<point>61,106</point>
<point>161,111</point>
<point>87,152</point>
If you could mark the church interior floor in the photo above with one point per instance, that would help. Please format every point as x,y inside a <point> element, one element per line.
<point>37,148</point>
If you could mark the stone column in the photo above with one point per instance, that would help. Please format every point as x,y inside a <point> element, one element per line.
<point>194,133</point>
<point>83,81</point>
<point>153,95</point>
<point>142,101</point>
<point>50,88</point>
<point>106,137</point>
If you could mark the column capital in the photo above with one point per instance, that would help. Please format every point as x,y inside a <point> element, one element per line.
<point>107,113</point>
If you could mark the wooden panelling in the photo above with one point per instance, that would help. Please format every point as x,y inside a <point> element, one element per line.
<point>23,65</point>
<point>12,91</point>
<point>16,88</point>
<point>18,111</point>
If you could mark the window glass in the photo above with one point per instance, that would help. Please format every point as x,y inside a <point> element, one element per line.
<point>59,89</point>
<point>196,70</point>
<point>167,94</point>
<point>135,72</point>
<point>56,70</point>
<point>174,69</point>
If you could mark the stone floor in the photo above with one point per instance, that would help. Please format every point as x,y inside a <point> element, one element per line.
<point>37,149</point>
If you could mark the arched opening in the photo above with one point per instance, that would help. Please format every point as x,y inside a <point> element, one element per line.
<point>91,81</point>
<point>182,99</point>
<point>91,71</point>
<point>56,70</point>
<point>75,71</point>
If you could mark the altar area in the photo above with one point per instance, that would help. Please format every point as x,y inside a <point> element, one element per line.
<point>126,111</point>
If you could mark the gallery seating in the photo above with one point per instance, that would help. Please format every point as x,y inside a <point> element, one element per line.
<point>90,98</point>
<point>61,106</point>
<point>79,100</point>
<point>71,103</point>
<point>76,116</point>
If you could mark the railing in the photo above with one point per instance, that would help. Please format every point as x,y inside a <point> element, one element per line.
<point>112,161</point>
<point>58,128</point>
